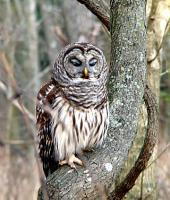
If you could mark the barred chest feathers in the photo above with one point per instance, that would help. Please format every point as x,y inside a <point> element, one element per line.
<point>76,128</point>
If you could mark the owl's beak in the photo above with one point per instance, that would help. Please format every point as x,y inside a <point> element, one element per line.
<point>85,73</point>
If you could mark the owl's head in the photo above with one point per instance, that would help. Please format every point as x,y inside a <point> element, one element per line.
<point>80,62</point>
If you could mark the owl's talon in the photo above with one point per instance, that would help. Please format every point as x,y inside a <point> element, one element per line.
<point>70,161</point>
<point>72,165</point>
<point>77,160</point>
<point>63,162</point>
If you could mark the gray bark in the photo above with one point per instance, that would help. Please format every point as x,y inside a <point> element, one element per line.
<point>126,88</point>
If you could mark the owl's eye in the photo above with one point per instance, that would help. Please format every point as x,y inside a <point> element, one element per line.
<point>92,62</point>
<point>75,62</point>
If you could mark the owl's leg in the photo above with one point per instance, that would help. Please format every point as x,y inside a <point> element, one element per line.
<point>71,160</point>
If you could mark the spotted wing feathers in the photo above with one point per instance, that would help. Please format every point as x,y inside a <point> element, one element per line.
<point>44,124</point>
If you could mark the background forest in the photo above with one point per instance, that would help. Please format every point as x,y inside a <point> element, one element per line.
<point>32,32</point>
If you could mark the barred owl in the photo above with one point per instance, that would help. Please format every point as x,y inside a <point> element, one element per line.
<point>72,108</point>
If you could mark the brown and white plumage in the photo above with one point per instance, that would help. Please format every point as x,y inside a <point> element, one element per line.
<point>72,108</point>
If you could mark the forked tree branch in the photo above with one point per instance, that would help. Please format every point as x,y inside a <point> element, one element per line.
<point>151,135</point>
<point>150,140</point>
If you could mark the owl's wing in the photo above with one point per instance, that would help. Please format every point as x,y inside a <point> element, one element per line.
<point>44,123</point>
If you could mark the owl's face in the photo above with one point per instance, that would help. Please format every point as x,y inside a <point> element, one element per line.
<point>80,63</point>
<point>83,63</point>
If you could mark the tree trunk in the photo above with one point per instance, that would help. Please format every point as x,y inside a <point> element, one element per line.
<point>145,186</point>
<point>142,122</point>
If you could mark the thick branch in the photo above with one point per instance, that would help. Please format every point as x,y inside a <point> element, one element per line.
<point>150,138</point>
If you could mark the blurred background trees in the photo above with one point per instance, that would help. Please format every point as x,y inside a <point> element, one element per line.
<point>31,34</point>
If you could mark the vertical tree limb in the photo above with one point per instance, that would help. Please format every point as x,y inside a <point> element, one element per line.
<point>150,139</point>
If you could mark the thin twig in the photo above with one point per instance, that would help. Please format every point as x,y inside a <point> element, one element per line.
<point>16,142</point>
<point>14,101</point>
<point>162,152</point>
<point>38,76</point>
<point>166,72</point>
<point>60,34</point>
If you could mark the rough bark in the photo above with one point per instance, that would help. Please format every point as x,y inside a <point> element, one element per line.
<point>147,149</point>
<point>145,186</point>
<point>126,85</point>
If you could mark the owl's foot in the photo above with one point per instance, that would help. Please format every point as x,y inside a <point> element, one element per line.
<point>71,160</point>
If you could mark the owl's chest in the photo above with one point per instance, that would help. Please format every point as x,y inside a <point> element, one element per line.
<point>77,126</point>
